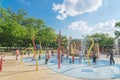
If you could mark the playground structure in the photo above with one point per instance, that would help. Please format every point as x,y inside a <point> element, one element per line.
<point>101,70</point>
<point>34,52</point>
<point>34,55</point>
<point>59,48</point>
<point>78,46</point>
<point>73,48</point>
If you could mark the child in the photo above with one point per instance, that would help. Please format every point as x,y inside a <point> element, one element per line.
<point>17,53</point>
<point>94,57</point>
<point>47,56</point>
<point>52,53</point>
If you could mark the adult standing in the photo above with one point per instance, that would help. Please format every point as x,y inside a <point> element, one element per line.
<point>111,57</point>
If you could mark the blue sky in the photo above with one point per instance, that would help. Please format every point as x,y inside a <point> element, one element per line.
<point>73,17</point>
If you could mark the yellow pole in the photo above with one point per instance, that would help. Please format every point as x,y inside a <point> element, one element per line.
<point>33,53</point>
<point>36,59</point>
<point>88,55</point>
<point>23,55</point>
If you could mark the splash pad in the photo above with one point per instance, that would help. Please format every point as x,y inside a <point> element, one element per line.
<point>101,70</point>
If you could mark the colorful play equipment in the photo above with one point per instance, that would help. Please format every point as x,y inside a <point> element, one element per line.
<point>1,62</point>
<point>72,48</point>
<point>89,51</point>
<point>59,48</point>
<point>80,50</point>
<point>96,45</point>
<point>34,47</point>
<point>34,55</point>
<point>34,52</point>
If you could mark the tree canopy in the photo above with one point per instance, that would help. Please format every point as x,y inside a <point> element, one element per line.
<point>104,40</point>
<point>117,33</point>
<point>17,29</point>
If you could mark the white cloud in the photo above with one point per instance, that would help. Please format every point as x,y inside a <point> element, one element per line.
<point>75,7</point>
<point>106,27</point>
<point>25,2</point>
<point>81,26</point>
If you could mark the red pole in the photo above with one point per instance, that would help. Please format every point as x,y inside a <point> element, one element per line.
<point>1,64</point>
<point>58,58</point>
<point>34,43</point>
<point>59,47</point>
<point>34,46</point>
